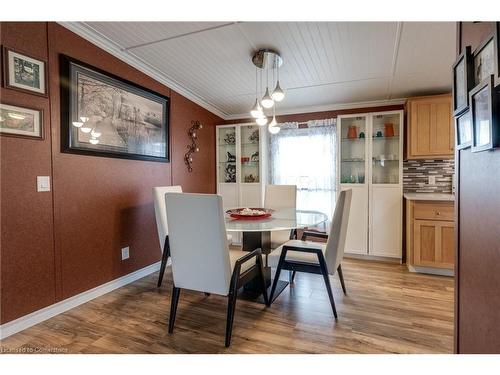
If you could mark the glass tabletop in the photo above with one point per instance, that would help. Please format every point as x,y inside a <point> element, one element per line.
<point>284,219</point>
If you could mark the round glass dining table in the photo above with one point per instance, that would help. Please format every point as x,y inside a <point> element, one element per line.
<point>282,219</point>
<point>257,235</point>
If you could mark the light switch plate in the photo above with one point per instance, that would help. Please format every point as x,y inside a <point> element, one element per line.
<point>42,183</point>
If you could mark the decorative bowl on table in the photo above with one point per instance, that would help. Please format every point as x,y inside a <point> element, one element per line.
<point>249,213</point>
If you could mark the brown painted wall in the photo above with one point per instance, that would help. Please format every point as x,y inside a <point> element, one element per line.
<point>478,253</point>
<point>58,244</point>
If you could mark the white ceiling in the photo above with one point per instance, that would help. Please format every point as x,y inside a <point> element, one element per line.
<point>326,64</point>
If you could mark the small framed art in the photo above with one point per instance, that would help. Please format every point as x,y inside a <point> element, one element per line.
<point>483,101</point>
<point>25,73</point>
<point>463,130</point>
<point>20,122</point>
<point>463,81</point>
<point>484,59</point>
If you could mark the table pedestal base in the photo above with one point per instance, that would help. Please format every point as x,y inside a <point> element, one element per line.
<point>252,290</point>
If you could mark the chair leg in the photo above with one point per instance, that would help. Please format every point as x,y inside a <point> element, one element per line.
<point>173,308</point>
<point>207,294</point>
<point>341,277</point>
<point>277,275</point>
<point>263,281</point>
<point>293,276</point>
<point>231,305</point>
<point>324,272</point>
<point>164,260</point>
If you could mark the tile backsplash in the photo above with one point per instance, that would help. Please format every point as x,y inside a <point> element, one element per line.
<point>416,176</point>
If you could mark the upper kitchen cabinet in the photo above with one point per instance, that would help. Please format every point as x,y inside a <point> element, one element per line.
<point>430,127</point>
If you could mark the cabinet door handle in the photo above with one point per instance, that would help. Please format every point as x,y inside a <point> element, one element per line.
<point>438,213</point>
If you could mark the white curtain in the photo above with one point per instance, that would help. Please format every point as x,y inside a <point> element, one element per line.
<point>306,157</point>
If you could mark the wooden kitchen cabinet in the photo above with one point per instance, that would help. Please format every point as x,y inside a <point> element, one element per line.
<point>434,243</point>
<point>430,132</point>
<point>430,235</point>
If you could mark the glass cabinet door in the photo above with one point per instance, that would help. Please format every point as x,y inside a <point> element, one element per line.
<point>227,154</point>
<point>352,150</point>
<point>250,154</point>
<point>385,149</point>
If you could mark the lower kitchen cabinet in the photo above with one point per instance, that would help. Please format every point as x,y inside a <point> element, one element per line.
<point>430,236</point>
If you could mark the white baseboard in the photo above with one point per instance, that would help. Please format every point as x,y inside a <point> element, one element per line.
<point>48,312</point>
<point>431,270</point>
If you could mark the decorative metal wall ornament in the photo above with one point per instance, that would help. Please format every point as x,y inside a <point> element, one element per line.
<point>193,147</point>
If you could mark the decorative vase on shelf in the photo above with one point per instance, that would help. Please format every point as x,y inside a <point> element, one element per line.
<point>352,132</point>
<point>388,130</point>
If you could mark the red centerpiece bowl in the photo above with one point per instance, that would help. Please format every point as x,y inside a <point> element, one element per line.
<point>243,214</point>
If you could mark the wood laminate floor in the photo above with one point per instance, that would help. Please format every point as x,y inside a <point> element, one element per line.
<point>387,310</point>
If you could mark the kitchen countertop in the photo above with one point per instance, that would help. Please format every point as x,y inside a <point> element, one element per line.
<point>429,197</point>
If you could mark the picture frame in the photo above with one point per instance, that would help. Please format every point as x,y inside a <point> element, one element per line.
<point>105,115</point>
<point>24,73</point>
<point>463,130</point>
<point>483,101</point>
<point>484,59</point>
<point>21,122</point>
<point>497,53</point>
<point>463,81</point>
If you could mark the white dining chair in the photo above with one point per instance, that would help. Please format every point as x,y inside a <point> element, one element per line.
<point>204,262</point>
<point>161,222</point>
<point>317,257</point>
<point>279,197</point>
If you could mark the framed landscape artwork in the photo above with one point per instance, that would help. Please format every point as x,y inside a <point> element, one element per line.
<point>484,59</point>
<point>104,115</point>
<point>484,112</point>
<point>20,122</point>
<point>22,72</point>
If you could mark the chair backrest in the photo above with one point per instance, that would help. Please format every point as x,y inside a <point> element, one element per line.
<point>161,210</point>
<point>198,242</point>
<point>280,196</point>
<point>338,231</point>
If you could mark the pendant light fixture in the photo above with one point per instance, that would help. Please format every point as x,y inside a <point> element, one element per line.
<point>256,110</point>
<point>267,101</point>
<point>266,60</point>
<point>273,125</point>
<point>278,95</point>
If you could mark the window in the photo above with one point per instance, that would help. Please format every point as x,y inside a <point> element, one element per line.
<point>306,157</point>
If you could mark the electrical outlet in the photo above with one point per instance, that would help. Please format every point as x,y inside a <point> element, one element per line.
<point>432,180</point>
<point>125,253</point>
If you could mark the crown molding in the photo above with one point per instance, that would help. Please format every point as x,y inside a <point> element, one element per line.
<point>326,108</point>
<point>86,32</point>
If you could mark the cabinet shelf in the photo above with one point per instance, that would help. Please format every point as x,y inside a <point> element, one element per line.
<point>352,161</point>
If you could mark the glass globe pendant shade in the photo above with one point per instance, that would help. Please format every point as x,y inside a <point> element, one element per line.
<point>86,129</point>
<point>273,129</point>
<point>77,124</point>
<point>278,93</point>
<point>261,121</point>
<point>94,141</point>
<point>256,111</point>
<point>273,122</point>
<point>267,101</point>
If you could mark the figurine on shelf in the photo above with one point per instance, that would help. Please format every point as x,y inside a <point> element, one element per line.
<point>255,156</point>
<point>230,173</point>
<point>254,137</point>
<point>230,138</point>
<point>251,178</point>
<point>230,157</point>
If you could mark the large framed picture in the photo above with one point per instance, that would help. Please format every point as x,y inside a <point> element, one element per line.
<point>21,122</point>
<point>463,81</point>
<point>104,115</point>
<point>484,112</point>
<point>23,72</point>
<point>463,130</point>
<point>484,59</point>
